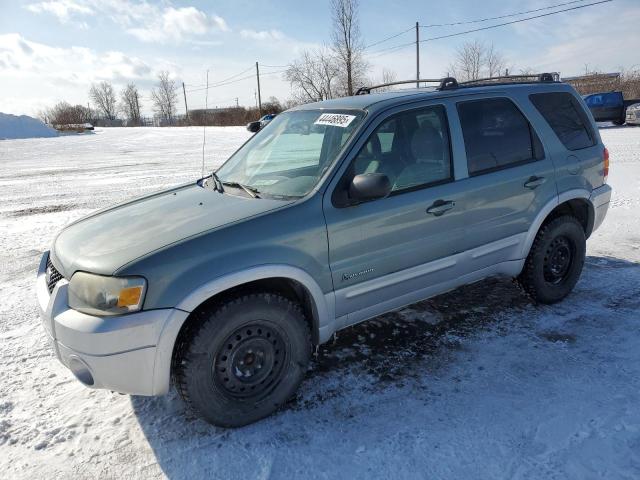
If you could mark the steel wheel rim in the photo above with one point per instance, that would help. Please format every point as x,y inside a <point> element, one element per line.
<point>558,259</point>
<point>251,360</point>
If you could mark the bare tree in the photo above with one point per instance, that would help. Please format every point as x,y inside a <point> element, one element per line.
<point>494,62</point>
<point>233,115</point>
<point>630,82</point>
<point>313,76</point>
<point>165,97</point>
<point>272,105</point>
<point>476,60</point>
<point>388,76</point>
<point>347,44</point>
<point>130,104</point>
<point>290,103</point>
<point>104,98</point>
<point>62,113</point>
<point>527,71</point>
<point>468,61</point>
<point>625,80</point>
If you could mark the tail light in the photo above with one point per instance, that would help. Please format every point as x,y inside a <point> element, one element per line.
<point>605,157</point>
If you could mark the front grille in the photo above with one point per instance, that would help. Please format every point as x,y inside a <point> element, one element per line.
<point>53,276</point>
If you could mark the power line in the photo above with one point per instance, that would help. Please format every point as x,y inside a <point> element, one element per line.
<point>390,38</point>
<point>516,21</point>
<point>480,20</point>
<point>274,66</point>
<point>222,84</point>
<point>272,73</point>
<point>384,51</point>
<point>463,23</point>
<point>226,79</point>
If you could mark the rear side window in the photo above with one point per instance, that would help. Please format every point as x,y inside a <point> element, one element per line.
<point>496,135</point>
<point>566,117</point>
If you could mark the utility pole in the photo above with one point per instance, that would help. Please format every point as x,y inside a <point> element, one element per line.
<point>186,109</point>
<point>259,98</point>
<point>237,106</point>
<point>137,110</point>
<point>417,54</point>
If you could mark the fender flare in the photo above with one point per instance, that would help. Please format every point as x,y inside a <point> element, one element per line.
<point>578,193</point>
<point>323,307</point>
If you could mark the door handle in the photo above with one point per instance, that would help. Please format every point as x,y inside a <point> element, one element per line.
<point>534,182</point>
<point>439,207</point>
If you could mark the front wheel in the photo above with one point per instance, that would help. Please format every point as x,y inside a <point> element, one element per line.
<point>244,359</point>
<point>555,261</point>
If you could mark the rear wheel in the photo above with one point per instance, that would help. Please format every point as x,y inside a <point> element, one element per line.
<point>244,359</point>
<point>555,261</point>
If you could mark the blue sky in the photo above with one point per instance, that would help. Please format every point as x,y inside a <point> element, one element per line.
<point>52,50</point>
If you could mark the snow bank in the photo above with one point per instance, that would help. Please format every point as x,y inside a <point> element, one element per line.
<point>13,126</point>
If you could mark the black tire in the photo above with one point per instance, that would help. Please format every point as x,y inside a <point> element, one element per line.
<point>618,122</point>
<point>555,261</point>
<point>244,359</point>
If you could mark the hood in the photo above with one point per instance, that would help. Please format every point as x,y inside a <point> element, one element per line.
<point>109,239</point>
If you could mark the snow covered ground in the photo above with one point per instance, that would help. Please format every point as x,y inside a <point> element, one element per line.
<point>478,383</point>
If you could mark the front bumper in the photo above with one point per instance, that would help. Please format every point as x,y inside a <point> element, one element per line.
<point>117,353</point>
<point>600,198</point>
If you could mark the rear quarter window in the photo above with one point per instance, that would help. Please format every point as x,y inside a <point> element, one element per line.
<point>566,118</point>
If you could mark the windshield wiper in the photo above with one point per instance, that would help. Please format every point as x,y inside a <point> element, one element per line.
<point>217,184</point>
<point>254,192</point>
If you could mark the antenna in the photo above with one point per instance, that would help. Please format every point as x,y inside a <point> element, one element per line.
<point>204,124</point>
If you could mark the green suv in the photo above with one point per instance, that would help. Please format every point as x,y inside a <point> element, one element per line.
<point>334,213</point>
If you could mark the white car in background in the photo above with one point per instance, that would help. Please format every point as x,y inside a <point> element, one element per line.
<point>633,114</point>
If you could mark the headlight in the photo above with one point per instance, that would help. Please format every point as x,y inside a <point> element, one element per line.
<point>99,295</point>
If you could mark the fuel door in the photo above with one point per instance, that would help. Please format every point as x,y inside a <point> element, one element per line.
<point>573,164</point>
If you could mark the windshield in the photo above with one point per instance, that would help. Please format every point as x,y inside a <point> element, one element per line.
<point>290,155</point>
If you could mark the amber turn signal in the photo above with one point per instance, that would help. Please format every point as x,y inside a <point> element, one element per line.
<point>129,296</point>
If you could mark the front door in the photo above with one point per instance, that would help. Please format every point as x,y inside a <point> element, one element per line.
<point>384,250</point>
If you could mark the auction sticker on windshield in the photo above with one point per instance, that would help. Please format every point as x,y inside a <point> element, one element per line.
<point>335,120</point>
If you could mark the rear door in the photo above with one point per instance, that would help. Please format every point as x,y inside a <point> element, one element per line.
<point>509,178</point>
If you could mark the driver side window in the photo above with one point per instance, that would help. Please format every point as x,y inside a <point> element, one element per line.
<point>411,148</point>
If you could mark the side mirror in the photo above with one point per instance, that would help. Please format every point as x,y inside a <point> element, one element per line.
<point>369,186</point>
<point>253,127</point>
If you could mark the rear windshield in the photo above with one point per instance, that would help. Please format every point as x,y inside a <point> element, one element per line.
<point>566,117</point>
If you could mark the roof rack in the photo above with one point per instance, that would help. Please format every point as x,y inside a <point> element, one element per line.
<point>527,78</point>
<point>443,84</point>
<point>449,83</point>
